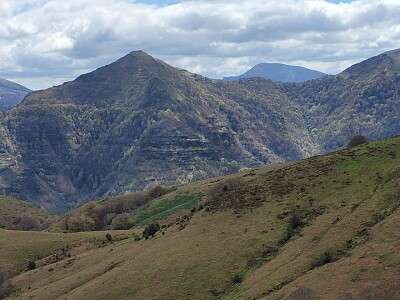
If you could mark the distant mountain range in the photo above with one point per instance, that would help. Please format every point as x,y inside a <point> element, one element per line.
<point>139,122</point>
<point>11,93</point>
<point>279,72</point>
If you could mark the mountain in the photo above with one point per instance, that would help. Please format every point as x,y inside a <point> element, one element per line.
<point>362,99</point>
<point>139,122</point>
<point>279,72</point>
<point>323,228</point>
<point>11,93</point>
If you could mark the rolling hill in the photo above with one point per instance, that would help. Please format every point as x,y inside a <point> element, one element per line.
<point>11,93</point>
<point>325,227</point>
<point>139,122</point>
<point>279,72</point>
<point>20,215</point>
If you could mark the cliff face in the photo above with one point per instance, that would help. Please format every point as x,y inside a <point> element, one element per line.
<point>139,122</point>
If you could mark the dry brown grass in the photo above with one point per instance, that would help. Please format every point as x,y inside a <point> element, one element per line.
<point>350,200</point>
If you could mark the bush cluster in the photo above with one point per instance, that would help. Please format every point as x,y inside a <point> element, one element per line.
<point>112,212</point>
<point>151,230</point>
<point>357,140</point>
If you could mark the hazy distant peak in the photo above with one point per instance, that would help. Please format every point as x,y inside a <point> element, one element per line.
<point>11,93</point>
<point>279,72</point>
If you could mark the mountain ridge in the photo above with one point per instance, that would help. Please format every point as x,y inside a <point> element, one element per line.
<point>140,122</point>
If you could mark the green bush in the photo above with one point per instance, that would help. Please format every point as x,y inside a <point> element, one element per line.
<point>108,237</point>
<point>296,221</point>
<point>122,222</point>
<point>237,278</point>
<point>328,256</point>
<point>31,265</point>
<point>357,140</point>
<point>151,230</point>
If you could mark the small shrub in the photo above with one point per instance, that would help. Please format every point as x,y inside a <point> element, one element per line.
<point>357,140</point>
<point>328,256</point>
<point>108,237</point>
<point>237,278</point>
<point>296,221</point>
<point>31,265</point>
<point>151,230</point>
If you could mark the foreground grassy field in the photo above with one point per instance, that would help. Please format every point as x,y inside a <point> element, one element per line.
<point>323,228</point>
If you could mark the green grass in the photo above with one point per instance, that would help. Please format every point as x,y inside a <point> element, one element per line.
<point>165,207</point>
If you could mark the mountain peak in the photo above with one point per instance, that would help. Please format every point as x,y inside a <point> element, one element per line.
<point>279,72</point>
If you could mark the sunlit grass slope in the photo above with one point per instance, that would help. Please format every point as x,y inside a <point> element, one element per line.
<point>322,228</point>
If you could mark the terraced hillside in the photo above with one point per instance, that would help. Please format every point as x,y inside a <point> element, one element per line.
<point>322,228</point>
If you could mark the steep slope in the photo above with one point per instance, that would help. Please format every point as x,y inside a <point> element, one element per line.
<point>11,93</point>
<point>301,229</point>
<point>138,122</point>
<point>279,72</point>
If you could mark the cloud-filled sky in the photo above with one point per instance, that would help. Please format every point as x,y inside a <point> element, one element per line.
<point>47,42</point>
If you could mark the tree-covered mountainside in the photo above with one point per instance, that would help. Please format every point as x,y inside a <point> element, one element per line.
<point>279,72</point>
<point>11,93</point>
<point>139,122</point>
<point>362,99</point>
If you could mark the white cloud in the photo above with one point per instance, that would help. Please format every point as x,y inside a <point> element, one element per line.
<point>43,42</point>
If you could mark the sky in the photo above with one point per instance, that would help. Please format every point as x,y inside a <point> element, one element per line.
<point>47,42</point>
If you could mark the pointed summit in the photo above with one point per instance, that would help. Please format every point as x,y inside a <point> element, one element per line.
<point>122,79</point>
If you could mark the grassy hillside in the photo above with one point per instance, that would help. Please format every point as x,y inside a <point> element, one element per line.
<point>20,247</point>
<point>21,215</point>
<point>322,228</point>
